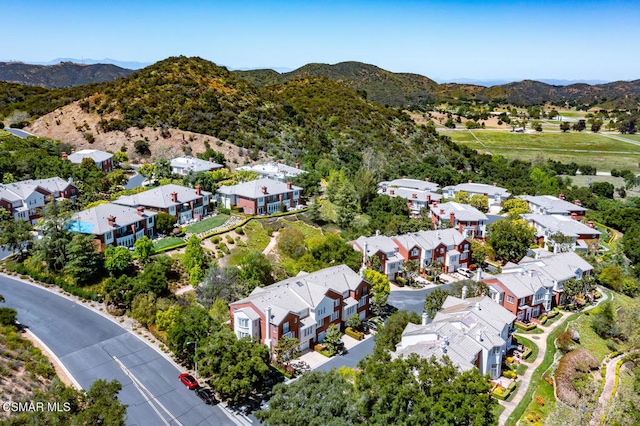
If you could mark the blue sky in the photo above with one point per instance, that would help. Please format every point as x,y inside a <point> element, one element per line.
<point>561,39</point>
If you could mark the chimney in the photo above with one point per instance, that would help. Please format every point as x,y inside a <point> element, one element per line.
<point>441,212</point>
<point>392,192</point>
<point>267,339</point>
<point>426,179</point>
<point>297,165</point>
<point>140,211</point>
<point>211,159</point>
<point>198,190</point>
<point>590,224</point>
<point>424,318</point>
<point>384,189</point>
<point>469,181</point>
<point>479,275</point>
<point>414,195</point>
<point>452,219</point>
<point>479,335</point>
<point>279,161</point>
<point>561,196</point>
<point>112,221</point>
<point>495,183</point>
<point>174,197</point>
<point>264,189</point>
<point>531,274</point>
<point>404,176</point>
<point>63,155</point>
<point>443,346</point>
<point>377,232</point>
<point>438,234</point>
<point>478,306</point>
<point>288,185</point>
<point>577,203</point>
<point>464,292</point>
<point>428,199</point>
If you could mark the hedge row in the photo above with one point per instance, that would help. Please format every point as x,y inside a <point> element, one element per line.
<point>354,333</point>
<point>502,394</point>
<point>525,327</point>
<point>57,281</point>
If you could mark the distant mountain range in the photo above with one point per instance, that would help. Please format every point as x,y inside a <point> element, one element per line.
<point>371,82</point>
<point>63,74</point>
<point>490,83</point>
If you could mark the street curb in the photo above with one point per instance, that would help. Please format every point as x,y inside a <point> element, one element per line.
<point>55,357</point>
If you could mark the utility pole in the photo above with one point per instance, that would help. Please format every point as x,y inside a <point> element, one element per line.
<point>195,348</point>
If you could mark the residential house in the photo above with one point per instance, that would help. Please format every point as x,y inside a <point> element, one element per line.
<point>535,285</point>
<point>583,237</point>
<point>187,164</point>
<point>25,199</point>
<point>385,249</point>
<point>417,199</point>
<point>548,204</point>
<point>468,220</point>
<point>494,193</point>
<point>404,183</point>
<point>302,307</point>
<point>473,333</point>
<point>103,160</point>
<point>275,170</point>
<point>114,224</point>
<point>446,247</point>
<point>186,204</point>
<point>262,196</point>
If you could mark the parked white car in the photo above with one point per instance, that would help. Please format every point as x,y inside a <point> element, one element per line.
<point>465,272</point>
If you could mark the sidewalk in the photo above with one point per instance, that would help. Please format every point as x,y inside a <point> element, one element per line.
<point>541,341</point>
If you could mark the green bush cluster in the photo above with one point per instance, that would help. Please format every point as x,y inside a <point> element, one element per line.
<point>21,269</point>
<point>501,393</point>
<point>525,327</point>
<point>358,335</point>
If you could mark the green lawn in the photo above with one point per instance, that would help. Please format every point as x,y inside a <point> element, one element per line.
<point>529,344</point>
<point>167,242</point>
<point>306,230</point>
<point>207,224</point>
<point>257,237</point>
<point>583,148</point>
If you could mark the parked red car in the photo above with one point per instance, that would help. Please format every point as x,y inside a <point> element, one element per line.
<point>188,380</point>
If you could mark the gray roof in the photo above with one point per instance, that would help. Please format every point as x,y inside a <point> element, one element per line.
<point>479,188</point>
<point>558,223</point>
<point>21,190</point>
<point>552,205</point>
<point>194,164</point>
<point>54,184</point>
<point>462,212</point>
<point>560,266</point>
<point>253,189</point>
<point>490,312</point>
<point>410,194</point>
<point>303,291</point>
<point>273,169</point>
<point>422,185</point>
<point>429,240</point>
<point>96,155</point>
<point>376,243</point>
<point>160,197</point>
<point>94,220</point>
<point>524,283</point>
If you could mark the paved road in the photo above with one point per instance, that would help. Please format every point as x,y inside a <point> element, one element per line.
<point>134,182</point>
<point>93,347</point>
<point>18,132</point>
<point>350,359</point>
<point>413,300</point>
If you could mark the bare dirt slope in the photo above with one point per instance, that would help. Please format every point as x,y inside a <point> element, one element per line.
<point>70,123</point>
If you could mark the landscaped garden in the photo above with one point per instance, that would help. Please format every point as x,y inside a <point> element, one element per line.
<point>207,224</point>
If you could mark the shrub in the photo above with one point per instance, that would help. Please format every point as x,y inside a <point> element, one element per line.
<point>525,327</point>
<point>230,239</point>
<point>216,239</point>
<point>565,341</point>
<point>401,282</point>
<point>354,333</point>
<point>570,372</point>
<point>240,230</point>
<point>509,374</point>
<point>539,400</point>
<point>224,211</point>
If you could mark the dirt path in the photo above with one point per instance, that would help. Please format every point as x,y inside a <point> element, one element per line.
<point>541,341</point>
<point>271,244</point>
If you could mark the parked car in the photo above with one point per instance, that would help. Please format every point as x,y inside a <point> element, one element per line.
<point>465,272</point>
<point>188,380</point>
<point>206,395</point>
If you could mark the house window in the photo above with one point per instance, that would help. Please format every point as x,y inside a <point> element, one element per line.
<point>509,299</point>
<point>320,323</point>
<point>285,328</point>
<point>244,322</point>
<point>414,252</point>
<point>242,334</point>
<point>463,256</point>
<point>362,302</point>
<point>322,311</point>
<point>336,303</point>
<point>334,316</point>
<point>307,331</point>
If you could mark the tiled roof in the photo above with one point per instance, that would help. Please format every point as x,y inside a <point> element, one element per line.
<point>462,212</point>
<point>94,220</point>
<point>273,169</point>
<point>94,154</point>
<point>160,197</point>
<point>479,188</point>
<point>194,164</point>
<point>553,204</point>
<point>558,223</point>
<point>410,184</point>
<point>253,189</point>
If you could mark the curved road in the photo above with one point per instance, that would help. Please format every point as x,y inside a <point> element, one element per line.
<point>93,347</point>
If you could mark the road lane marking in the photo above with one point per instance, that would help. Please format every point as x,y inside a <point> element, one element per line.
<point>146,393</point>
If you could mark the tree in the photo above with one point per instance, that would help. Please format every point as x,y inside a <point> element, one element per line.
<point>166,319</point>
<point>165,223</point>
<point>288,348</point>
<point>596,126</point>
<point>332,338</point>
<point>579,126</point>
<point>220,283</point>
<point>146,171</point>
<point>255,270</point>
<point>411,269</point>
<point>144,249</point>
<point>8,316</point>
<point>480,202</point>
<point>14,234</point>
<point>193,324</point>
<point>611,276</point>
<point>143,308</point>
<point>511,239</point>
<point>560,243</point>
<point>380,288</point>
<point>120,157</point>
<point>219,311</point>
<point>479,254</point>
<point>117,260</point>
<point>603,189</point>
<point>354,321</point>
<point>434,300</point>
<point>142,147</point>
<point>515,206</point>
<point>153,279</point>
<point>54,228</point>
<point>315,210</point>
<point>291,243</point>
<point>461,197</point>
<point>193,259</point>
<point>316,398</point>
<point>236,367</point>
<point>84,263</point>
<point>346,205</point>
<point>390,334</point>
<point>565,126</point>
<point>162,169</point>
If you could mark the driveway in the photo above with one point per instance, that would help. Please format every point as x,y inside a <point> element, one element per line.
<point>413,300</point>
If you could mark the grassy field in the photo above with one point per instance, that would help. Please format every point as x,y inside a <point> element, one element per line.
<point>167,242</point>
<point>583,148</point>
<point>207,224</point>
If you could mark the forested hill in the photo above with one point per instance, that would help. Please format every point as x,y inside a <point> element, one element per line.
<point>384,87</point>
<point>403,89</point>
<point>64,74</point>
